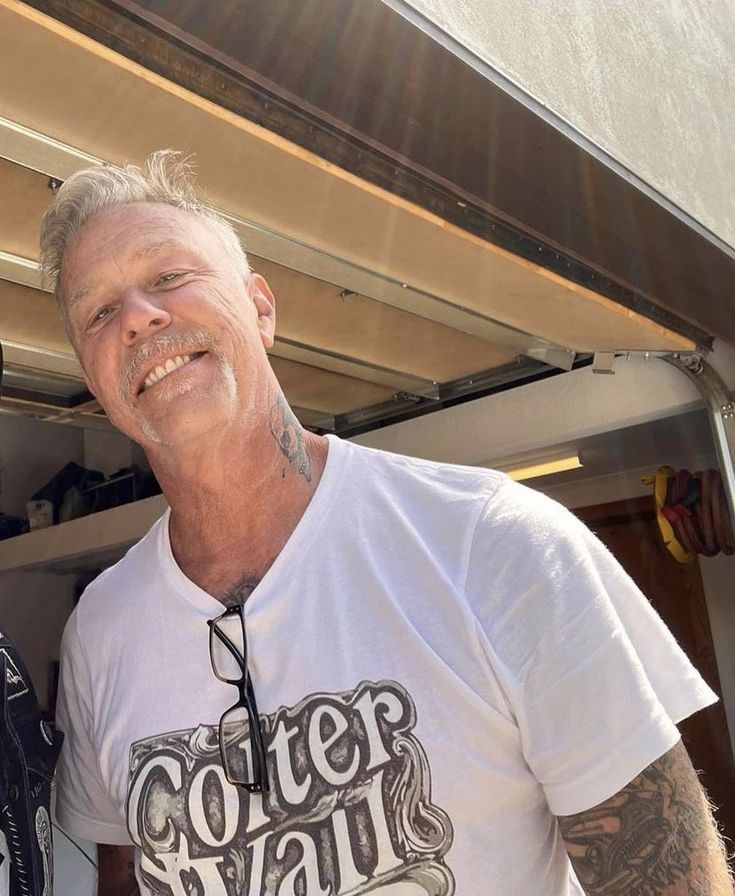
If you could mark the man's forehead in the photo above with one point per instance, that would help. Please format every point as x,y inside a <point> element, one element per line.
<point>122,235</point>
<point>134,226</point>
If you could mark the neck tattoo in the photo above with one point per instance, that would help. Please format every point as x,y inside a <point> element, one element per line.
<point>289,435</point>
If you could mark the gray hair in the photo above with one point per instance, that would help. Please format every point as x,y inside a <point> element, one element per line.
<point>166,177</point>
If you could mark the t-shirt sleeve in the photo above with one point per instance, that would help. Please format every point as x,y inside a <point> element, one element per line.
<point>84,806</point>
<point>595,679</point>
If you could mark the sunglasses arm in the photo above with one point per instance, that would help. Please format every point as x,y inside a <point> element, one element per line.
<point>228,644</point>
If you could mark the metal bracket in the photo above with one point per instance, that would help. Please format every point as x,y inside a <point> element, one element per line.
<point>563,358</point>
<point>604,362</point>
<point>721,411</point>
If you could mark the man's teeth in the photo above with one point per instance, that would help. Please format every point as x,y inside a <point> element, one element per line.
<point>162,370</point>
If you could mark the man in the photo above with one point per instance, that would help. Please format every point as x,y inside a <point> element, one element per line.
<point>457,687</point>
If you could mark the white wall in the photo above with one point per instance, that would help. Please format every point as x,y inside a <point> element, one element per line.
<point>74,875</point>
<point>107,452</point>
<point>650,83</point>
<point>30,453</point>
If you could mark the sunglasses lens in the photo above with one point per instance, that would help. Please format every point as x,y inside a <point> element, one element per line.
<point>227,648</point>
<point>236,743</point>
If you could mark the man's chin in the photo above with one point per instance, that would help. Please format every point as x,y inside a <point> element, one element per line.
<point>181,426</point>
<point>171,413</point>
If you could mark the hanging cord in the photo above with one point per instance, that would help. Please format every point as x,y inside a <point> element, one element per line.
<point>695,506</point>
<point>74,844</point>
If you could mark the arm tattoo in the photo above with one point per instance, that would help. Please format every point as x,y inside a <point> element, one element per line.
<point>240,591</point>
<point>656,837</point>
<point>287,431</point>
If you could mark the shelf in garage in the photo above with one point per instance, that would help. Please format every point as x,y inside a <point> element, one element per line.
<point>88,543</point>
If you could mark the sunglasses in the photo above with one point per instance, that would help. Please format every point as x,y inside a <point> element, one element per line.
<point>244,765</point>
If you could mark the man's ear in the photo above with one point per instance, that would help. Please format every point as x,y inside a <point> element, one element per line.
<point>265,305</point>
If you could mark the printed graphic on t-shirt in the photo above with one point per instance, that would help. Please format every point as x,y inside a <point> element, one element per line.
<point>349,808</point>
<point>15,682</point>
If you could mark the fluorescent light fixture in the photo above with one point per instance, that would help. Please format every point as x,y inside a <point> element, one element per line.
<point>543,466</point>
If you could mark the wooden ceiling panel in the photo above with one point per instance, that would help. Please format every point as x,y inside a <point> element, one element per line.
<point>30,317</point>
<point>313,312</point>
<point>320,390</point>
<point>116,110</point>
<point>25,197</point>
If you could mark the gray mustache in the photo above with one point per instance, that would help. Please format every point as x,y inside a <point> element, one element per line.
<point>160,344</point>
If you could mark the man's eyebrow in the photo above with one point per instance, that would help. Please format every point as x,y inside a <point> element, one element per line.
<point>76,297</point>
<point>153,248</point>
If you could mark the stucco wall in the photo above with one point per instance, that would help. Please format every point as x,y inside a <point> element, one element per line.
<point>653,83</point>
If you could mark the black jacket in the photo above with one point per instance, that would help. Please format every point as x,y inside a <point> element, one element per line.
<point>29,748</point>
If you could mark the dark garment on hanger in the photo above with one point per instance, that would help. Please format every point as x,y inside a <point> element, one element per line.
<point>29,748</point>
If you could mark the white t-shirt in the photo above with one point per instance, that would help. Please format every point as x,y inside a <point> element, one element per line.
<point>443,660</point>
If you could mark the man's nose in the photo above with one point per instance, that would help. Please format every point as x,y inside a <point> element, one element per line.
<point>142,315</point>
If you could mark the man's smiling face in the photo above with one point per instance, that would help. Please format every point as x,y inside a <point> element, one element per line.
<point>170,333</point>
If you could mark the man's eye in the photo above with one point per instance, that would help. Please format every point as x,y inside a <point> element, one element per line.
<point>99,315</point>
<point>168,276</point>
